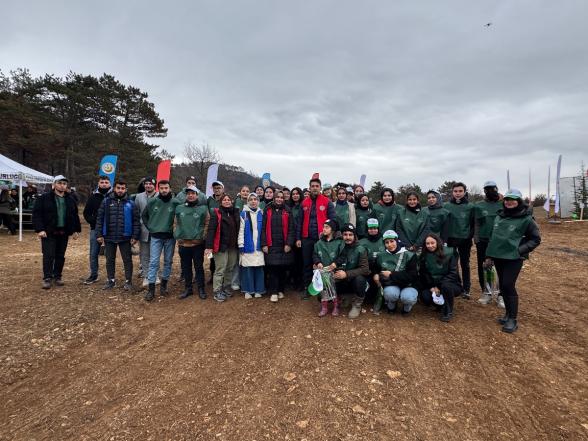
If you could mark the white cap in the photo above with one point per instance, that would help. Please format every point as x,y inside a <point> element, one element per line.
<point>59,178</point>
<point>192,188</point>
<point>218,183</point>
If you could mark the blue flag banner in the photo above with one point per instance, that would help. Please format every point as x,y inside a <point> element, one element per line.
<point>108,167</point>
<point>265,180</point>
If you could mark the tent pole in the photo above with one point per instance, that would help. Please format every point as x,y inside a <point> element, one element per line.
<point>20,208</point>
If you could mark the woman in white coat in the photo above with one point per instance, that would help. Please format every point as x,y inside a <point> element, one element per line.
<point>251,257</point>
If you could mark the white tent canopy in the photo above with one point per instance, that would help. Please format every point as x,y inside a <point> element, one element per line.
<point>13,171</point>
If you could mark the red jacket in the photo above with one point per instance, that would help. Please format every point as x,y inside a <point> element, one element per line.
<point>322,206</point>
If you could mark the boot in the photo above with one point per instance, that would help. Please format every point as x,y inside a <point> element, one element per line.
<point>447,313</point>
<point>510,325</point>
<point>379,301</point>
<point>201,292</point>
<point>335,312</point>
<point>502,320</point>
<point>355,308</point>
<point>150,295</point>
<point>187,293</point>
<point>324,308</point>
<point>163,288</point>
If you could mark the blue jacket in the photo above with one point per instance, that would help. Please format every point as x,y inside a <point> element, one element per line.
<point>118,219</point>
<point>248,246</point>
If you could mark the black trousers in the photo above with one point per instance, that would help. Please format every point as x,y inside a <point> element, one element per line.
<point>192,257</point>
<point>296,269</point>
<point>480,256</point>
<point>449,291</point>
<point>307,252</point>
<point>53,247</point>
<point>464,248</point>
<point>7,221</point>
<point>356,285</point>
<point>125,253</point>
<point>508,272</point>
<point>276,278</point>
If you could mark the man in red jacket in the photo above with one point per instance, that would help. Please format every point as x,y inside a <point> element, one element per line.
<point>316,209</point>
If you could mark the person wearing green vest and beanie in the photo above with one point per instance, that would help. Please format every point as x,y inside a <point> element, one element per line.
<point>397,273</point>
<point>352,270</point>
<point>412,224</point>
<point>326,251</point>
<point>191,226</point>
<point>158,217</point>
<point>373,243</point>
<point>386,210</point>
<point>438,277</point>
<point>461,231</point>
<point>514,236</point>
<point>485,213</point>
<point>363,212</point>
<point>438,215</point>
<point>344,209</point>
<point>191,182</point>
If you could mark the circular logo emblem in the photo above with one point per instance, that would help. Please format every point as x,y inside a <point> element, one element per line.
<point>485,212</point>
<point>322,208</point>
<point>511,228</point>
<point>305,208</point>
<point>107,168</point>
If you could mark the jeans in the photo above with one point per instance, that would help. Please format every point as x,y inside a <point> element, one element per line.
<point>508,272</point>
<point>125,253</point>
<point>252,279</point>
<point>53,247</point>
<point>481,255</point>
<point>192,257</point>
<point>167,246</point>
<point>407,296</point>
<point>225,262</point>
<point>144,254</point>
<point>236,280</point>
<point>94,252</point>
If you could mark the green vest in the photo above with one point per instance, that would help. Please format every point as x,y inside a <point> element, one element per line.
<point>485,213</point>
<point>240,203</point>
<point>412,224</point>
<point>437,219</point>
<point>342,213</point>
<point>394,262</point>
<point>212,204</point>
<point>181,197</point>
<point>352,255</point>
<point>372,248</point>
<point>328,251</point>
<point>438,269</point>
<point>361,217</point>
<point>507,235</point>
<point>386,216</point>
<point>460,220</point>
<point>161,215</point>
<point>190,222</point>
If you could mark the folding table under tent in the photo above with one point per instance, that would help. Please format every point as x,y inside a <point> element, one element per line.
<point>13,171</point>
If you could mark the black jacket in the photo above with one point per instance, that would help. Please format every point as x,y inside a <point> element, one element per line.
<point>45,214</point>
<point>276,254</point>
<point>115,223</point>
<point>450,278</point>
<point>229,229</point>
<point>92,207</point>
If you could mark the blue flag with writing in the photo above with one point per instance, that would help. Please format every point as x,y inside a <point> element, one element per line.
<point>108,167</point>
<point>265,180</point>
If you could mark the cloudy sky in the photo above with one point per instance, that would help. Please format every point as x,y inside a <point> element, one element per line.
<point>402,91</point>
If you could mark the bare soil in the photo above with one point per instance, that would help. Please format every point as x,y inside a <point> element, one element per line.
<point>79,364</point>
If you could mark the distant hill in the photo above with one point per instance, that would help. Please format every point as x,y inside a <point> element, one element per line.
<point>233,178</point>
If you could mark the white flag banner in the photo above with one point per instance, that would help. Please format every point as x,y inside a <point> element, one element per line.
<point>548,200</point>
<point>210,178</point>
<point>556,209</point>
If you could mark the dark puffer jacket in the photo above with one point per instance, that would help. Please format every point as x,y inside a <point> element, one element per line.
<point>45,214</point>
<point>118,219</point>
<point>276,254</point>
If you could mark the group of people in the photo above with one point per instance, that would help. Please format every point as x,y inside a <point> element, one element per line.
<point>262,240</point>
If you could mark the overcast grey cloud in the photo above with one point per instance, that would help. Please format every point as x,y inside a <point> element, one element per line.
<point>403,91</point>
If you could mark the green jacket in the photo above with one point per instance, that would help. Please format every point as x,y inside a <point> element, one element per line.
<point>190,222</point>
<point>158,217</point>
<point>361,217</point>
<point>353,260</point>
<point>434,273</point>
<point>411,227</point>
<point>181,197</point>
<point>373,247</point>
<point>461,220</point>
<point>438,223</point>
<point>514,235</point>
<point>402,264</point>
<point>212,203</point>
<point>386,216</point>
<point>485,213</point>
<point>240,203</point>
<point>326,252</point>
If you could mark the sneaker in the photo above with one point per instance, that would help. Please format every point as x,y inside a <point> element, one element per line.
<point>108,285</point>
<point>500,302</point>
<point>145,283</point>
<point>248,296</point>
<point>485,298</point>
<point>274,298</point>
<point>220,296</point>
<point>258,295</point>
<point>58,282</point>
<point>157,281</point>
<point>280,295</point>
<point>466,295</point>
<point>46,284</point>
<point>228,292</point>
<point>235,287</point>
<point>128,286</point>
<point>90,280</point>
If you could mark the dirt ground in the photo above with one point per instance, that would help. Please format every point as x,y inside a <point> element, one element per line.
<point>79,364</point>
